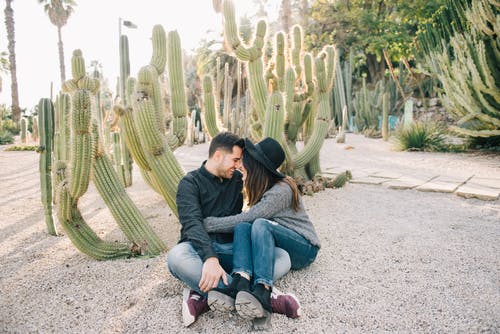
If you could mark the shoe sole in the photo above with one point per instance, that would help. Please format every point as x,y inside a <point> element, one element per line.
<point>220,302</point>
<point>249,307</point>
<point>187,318</point>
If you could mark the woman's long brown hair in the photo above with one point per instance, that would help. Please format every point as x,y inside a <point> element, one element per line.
<point>259,180</point>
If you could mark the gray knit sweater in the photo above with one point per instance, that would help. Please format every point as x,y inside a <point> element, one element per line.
<point>274,205</point>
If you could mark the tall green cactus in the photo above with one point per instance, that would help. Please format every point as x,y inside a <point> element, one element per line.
<point>144,128</point>
<point>46,127</point>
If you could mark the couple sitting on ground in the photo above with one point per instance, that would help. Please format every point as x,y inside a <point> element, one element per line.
<point>257,246</point>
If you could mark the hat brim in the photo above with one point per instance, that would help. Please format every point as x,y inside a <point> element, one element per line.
<point>258,155</point>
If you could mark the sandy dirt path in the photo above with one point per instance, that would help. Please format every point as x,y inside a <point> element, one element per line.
<point>391,260</point>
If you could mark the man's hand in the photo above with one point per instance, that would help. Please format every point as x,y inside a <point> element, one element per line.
<point>211,273</point>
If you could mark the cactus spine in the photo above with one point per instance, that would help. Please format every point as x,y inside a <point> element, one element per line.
<point>46,127</point>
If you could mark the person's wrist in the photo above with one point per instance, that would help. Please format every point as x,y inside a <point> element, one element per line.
<point>212,259</point>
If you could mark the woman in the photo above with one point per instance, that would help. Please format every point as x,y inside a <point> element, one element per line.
<point>276,217</point>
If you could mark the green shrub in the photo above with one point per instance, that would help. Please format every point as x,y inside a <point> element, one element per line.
<point>22,148</point>
<point>420,136</point>
<point>6,137</point>
<point>484,143</point>
<point>10,126</point>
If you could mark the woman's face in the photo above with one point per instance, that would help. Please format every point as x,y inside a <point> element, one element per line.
<point>244,172</point>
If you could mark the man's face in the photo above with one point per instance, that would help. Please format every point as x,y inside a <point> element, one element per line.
<point>229,161</point>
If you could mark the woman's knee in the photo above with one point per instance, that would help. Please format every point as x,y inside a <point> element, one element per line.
<point>260,225</point>
<point>243,228</point>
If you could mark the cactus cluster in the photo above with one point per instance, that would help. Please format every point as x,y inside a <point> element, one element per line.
<point>460,46</point>
<point>79,158</point>
<point>286,95</point>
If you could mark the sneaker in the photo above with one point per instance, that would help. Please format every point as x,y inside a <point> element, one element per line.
<point>193,305</point>
<point>285,303</point>
<point>254,304</point>
<point>223,299</point>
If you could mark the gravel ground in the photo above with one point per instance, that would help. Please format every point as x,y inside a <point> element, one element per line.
<point>392,260</point>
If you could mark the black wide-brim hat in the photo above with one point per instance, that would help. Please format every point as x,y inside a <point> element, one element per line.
<point>268,152</point>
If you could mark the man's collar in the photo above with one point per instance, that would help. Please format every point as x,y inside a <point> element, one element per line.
<point>206,173</point>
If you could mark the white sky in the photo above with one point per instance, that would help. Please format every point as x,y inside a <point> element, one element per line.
<point>93,28</point>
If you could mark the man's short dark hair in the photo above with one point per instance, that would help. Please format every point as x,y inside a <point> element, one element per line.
<point>225,141</point>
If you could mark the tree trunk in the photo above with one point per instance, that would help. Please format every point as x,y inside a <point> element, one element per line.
<point>304,13</point>
<point>9,25</point>
<point>376,68</point>
<point>62,68</point>
<point>286,16</point>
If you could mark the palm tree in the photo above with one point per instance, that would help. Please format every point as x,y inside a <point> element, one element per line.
<point>59,12</point>
<point>9,25</point>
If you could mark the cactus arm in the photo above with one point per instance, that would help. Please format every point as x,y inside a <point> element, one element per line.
<point>297,50</point>
<point>322,120</point>
<point>81,144</point>
<point>82,236</point>
<point>159,56</point>
<point>280,60</point>
<point>163,163</point>
<point>253,55</point>
<point>210,113</point>
<point>46,127</point>
<point>177,87</point>
<point>126,214</point>
<point>275,117</point>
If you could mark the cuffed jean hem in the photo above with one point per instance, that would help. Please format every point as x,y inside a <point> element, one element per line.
<point>263,281</point>
<point>242,270</point>
<point>185,264</point>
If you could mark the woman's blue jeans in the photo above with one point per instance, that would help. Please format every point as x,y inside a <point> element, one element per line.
<point>185,264</point>
<point>255,249</point>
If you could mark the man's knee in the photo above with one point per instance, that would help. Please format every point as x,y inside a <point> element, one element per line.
<point>177,256</point>
<point>282,263</point>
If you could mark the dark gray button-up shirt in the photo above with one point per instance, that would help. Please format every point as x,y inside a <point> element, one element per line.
<point>201,194</point>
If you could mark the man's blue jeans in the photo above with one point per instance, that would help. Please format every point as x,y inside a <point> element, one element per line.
<point>185,264</point>
<point>261,239</point>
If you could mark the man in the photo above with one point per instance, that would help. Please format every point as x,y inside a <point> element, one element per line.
<point>202,260</point>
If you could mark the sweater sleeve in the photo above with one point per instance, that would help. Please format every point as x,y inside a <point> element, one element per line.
<point>275,200</point>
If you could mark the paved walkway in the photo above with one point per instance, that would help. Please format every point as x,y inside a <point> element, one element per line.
<point>374,161</point>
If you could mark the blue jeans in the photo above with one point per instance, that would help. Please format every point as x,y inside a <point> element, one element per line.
<point>185,264</point>
<point>261,239</point>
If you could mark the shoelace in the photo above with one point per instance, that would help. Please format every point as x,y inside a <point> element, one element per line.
<point>195,297</point>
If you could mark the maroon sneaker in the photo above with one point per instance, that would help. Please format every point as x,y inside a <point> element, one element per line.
<point>285,303</point>
<point>193,305</point>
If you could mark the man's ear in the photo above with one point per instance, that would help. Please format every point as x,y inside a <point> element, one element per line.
<point>217,155</point>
